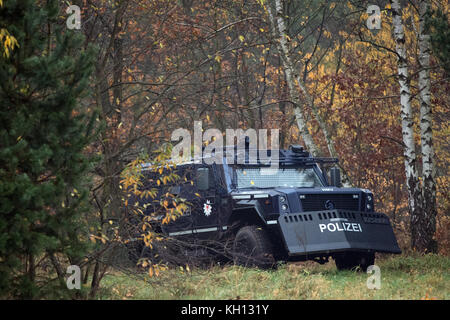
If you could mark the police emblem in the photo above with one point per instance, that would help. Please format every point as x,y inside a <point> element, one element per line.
<point>207,208</point>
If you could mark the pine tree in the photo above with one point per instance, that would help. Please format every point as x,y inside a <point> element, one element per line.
<point>43,134</point>
<point>438,26</point>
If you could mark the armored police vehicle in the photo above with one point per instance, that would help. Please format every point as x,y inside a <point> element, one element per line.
<point>297,212</point>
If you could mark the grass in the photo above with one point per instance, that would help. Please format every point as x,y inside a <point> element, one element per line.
<point>402,277</point>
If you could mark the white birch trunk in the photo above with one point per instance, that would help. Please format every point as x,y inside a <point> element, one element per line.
<point>279,25</point>
<point>406,114</point>
<point>293,79</point>
<point>426,135</point>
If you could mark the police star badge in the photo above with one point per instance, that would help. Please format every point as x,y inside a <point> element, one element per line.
<point>207,208</point>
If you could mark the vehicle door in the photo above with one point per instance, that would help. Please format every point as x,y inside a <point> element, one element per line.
<point>206,206</point>
<point>181,188</point>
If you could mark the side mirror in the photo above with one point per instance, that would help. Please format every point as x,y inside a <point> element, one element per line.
<point>203,180</point>
<point>335,177</point>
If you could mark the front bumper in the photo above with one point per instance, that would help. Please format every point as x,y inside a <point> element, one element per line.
<point>331,231</point>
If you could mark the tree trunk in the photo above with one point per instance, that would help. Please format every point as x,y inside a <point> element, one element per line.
<point>280,32</point>
<point>409,150</point>
<point>427,222</point>
<point>293,79</point>
<point>95,283</point>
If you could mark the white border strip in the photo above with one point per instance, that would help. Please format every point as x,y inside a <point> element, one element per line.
<point>179,233</point>
<point>260,196</point>
<point>204,230</point>
<point>239,197</point>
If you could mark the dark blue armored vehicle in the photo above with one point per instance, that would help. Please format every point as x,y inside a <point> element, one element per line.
<point>297,212</point>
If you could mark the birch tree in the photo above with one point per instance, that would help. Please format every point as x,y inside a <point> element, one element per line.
<point>406,113</point>
<point>421,196</point>
<point>426,227</point>
<point>292,77</point>
<point>297,85</point>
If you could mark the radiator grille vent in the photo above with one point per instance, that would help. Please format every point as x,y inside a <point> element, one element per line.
<point>317,202</point>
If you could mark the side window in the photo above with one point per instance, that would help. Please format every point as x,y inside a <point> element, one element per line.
<point>204,178</point>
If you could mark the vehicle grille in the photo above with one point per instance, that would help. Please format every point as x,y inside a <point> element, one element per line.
<point>316,202</point>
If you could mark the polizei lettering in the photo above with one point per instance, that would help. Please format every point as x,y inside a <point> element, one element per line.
<point>340,226</point>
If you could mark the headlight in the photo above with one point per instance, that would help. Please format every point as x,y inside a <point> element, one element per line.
<point>369,201</point>
<point>282,199</point>
<point>284,207</point>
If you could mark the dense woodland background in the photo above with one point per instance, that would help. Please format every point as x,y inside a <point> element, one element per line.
<point>139,69</point>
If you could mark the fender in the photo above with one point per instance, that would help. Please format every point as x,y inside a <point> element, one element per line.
<point>252,211</point>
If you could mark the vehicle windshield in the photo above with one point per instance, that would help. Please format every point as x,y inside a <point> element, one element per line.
<point>291,177</point>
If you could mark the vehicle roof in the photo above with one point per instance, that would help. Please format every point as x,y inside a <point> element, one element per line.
<point>285,157</point>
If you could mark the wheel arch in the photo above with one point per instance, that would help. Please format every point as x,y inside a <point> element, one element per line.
<point>245,217</point>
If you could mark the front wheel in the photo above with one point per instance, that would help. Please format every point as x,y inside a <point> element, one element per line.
<point>253,248</point>
<point>354,260</point>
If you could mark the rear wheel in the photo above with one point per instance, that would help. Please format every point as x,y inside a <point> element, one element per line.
<point>252,248</point>
<point>354,260</point>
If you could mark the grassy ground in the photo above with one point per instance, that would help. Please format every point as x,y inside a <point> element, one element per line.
<point>402,277</point>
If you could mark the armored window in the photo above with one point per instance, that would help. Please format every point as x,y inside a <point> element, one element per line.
<point>250,177</point>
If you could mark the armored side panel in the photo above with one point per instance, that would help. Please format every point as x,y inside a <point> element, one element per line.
<point>330,231</point>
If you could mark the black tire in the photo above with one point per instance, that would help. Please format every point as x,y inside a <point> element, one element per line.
<point>354,261</point>
<point>252,248</point>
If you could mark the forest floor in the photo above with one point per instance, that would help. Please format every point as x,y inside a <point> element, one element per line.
<point>402,277</point>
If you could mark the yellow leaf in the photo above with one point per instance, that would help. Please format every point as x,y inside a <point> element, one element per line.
<point>241,38</point>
